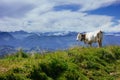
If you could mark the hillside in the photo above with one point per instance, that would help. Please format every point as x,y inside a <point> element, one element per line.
<point>77,63</point>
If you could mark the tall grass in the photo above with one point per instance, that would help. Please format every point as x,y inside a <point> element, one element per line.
<point>77,63</point>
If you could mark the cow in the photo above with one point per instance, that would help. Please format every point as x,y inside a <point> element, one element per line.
<point>91,37</point>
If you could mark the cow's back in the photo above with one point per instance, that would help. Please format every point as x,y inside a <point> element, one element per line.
<point>93,36</point>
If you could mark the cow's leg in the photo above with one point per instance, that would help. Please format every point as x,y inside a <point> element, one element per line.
<point>90,44</point>
<point>99,43</point>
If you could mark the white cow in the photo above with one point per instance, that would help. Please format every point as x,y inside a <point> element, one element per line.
<point>91,37</point>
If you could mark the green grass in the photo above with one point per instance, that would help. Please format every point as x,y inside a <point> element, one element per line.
<point>77,63</point>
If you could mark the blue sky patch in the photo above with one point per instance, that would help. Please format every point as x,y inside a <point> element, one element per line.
<point>112,10</point>
<point>71,7</point>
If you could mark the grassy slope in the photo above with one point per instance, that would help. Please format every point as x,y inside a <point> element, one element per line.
<point>76,63</point>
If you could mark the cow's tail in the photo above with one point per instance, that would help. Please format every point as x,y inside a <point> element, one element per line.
<point>101,31</point>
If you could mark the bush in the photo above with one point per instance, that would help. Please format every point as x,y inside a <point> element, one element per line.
<point>74,73</point>
<point>13,76</point>
<point>73,64</point>
<point>37,74</point>
<point>21,54</point>
<point>53,69</point>
<point>106,55</point>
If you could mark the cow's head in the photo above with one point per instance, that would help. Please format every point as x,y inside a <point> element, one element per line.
<point>80,37</point>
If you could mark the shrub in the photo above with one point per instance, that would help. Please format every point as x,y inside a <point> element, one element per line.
<point>55,68</point>
<point>72,64</point>
<point>106,55</point>
<point>21,54</point>
<point>74,73</point>
<point>13,76</point>
<point>49,70</point>
<point>116,51</point>
<point>37,74</point>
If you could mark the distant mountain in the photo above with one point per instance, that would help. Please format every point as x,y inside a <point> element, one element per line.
<point>6,36</point>
<point>6,49</point>
<point>59,33</point>
<point>113,33</point>
<point>20,34</point>
<point>32,36</point>
<point>31,41</point>
<point>39,41</point>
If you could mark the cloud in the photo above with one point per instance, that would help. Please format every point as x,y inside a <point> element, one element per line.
<point>68,21</point>
<point>50,15</point>
<point>95,4</point>
<point>14,9</point>
<point>86,4</point>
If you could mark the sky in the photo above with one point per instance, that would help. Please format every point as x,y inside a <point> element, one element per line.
<point>60,15</point>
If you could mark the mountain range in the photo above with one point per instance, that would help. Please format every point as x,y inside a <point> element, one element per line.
<point>10,42</point>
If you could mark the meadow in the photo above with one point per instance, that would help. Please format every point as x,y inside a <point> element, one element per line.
<point>75,63</point>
